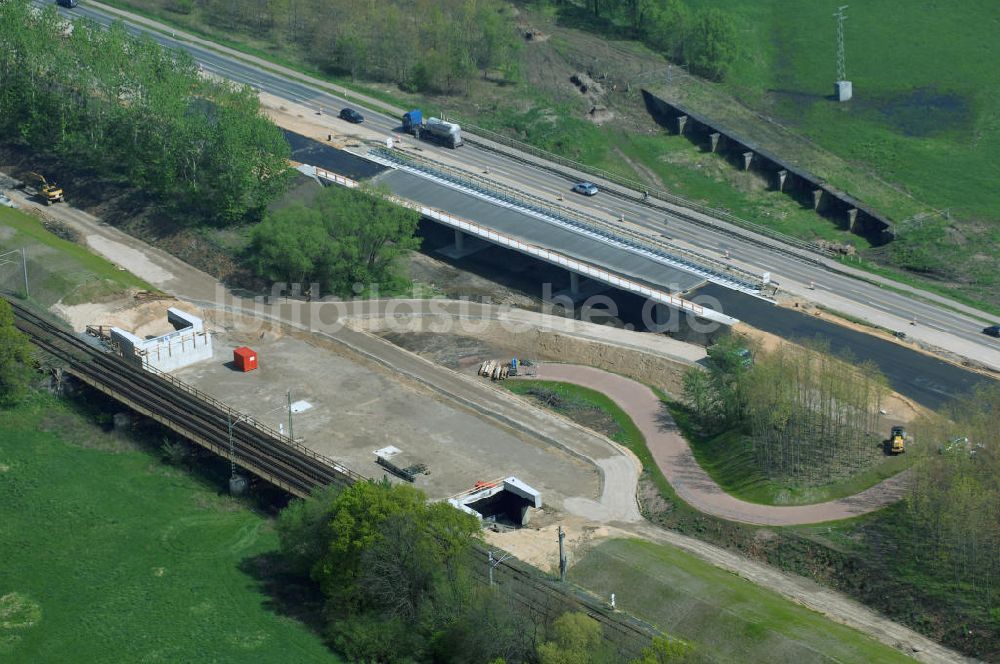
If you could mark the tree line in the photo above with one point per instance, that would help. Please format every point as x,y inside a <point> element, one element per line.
<point>810,417</point>
<point>123,106</point>
<point>426,45</point>
<point>397,576</point>
<point>951,534</point>
<point>706,39</point>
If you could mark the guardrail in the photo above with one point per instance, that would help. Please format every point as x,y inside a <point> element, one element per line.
<point>472,131</point>
<point>686,259</point>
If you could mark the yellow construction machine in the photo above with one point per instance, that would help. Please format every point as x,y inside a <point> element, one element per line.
<point>897,441</point>
<point>50,191</point>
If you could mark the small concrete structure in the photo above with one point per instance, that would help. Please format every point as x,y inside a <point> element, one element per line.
<point>508,499</point>
<point>187,344</point>
<point>714,140</point>
<point>843,90</point>
<point>782,175</point>
<point>852,218</point>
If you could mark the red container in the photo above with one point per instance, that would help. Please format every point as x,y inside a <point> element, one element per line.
<point>245,359</point>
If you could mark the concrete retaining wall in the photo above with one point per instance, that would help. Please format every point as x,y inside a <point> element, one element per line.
<point>539,344</point>
<point>188,344</point>
<point>844,210</point>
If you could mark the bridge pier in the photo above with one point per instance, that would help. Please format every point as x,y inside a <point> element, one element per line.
<point>817,198</point>
<point>747,158</point>
<point>465,245</point>
<point>852,218</point>
<point>681,121</point>
<point>574,283</point>
<point>713,141</point>
<point>782,175</point>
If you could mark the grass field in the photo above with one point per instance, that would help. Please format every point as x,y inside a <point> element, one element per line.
<point>926,107</point>
<point>728,618</point>
<point>57,269</point>
<point>111,556</point>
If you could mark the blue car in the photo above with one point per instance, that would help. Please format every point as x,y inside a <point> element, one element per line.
<point>585,188</point>
<point>992,330</point>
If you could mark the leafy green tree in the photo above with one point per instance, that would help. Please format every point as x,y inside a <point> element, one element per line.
<point>665,27</point>
<point>361,516</point>
<point>711,46</point>
<point>290,245</point>
<point>665,650</point>
<point>345,237</point>
<point>576,639</point>
<point>700,394</point>
<point>303,530</point>
<point>15,358</point>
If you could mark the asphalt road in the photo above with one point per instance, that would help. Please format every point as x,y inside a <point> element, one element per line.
<point>925,379</point>
<point>308,151</point>
<point>532,178</point>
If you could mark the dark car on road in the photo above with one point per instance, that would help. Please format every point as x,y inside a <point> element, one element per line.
<point>992,330</point>
<point>351,115</point>
<point>67,3</point>
<point>585,188</point>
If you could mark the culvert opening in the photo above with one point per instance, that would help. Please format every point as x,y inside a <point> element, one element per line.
<point>507,502</point>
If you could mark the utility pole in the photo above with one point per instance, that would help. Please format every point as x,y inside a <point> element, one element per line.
<point>562,555</point>
<point>291,432</point>
<point>493,562</point>
<point>237,484</point>
<point>842,88</point>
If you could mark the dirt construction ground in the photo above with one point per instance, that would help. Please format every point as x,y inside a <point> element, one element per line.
<point>357,408</point>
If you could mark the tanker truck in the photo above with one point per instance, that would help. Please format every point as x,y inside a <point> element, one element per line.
<point>448,134</point>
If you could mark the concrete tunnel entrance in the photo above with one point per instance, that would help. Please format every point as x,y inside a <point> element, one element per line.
<point>505,502</point>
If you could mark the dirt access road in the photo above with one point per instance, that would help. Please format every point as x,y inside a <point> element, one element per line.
<point>675,459</point>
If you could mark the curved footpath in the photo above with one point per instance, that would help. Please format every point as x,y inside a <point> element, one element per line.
<point>675,459</point>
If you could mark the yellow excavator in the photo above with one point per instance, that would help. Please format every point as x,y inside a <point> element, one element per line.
<point>50,191</point>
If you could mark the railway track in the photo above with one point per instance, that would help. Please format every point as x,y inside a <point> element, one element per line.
<point>279,460</point>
